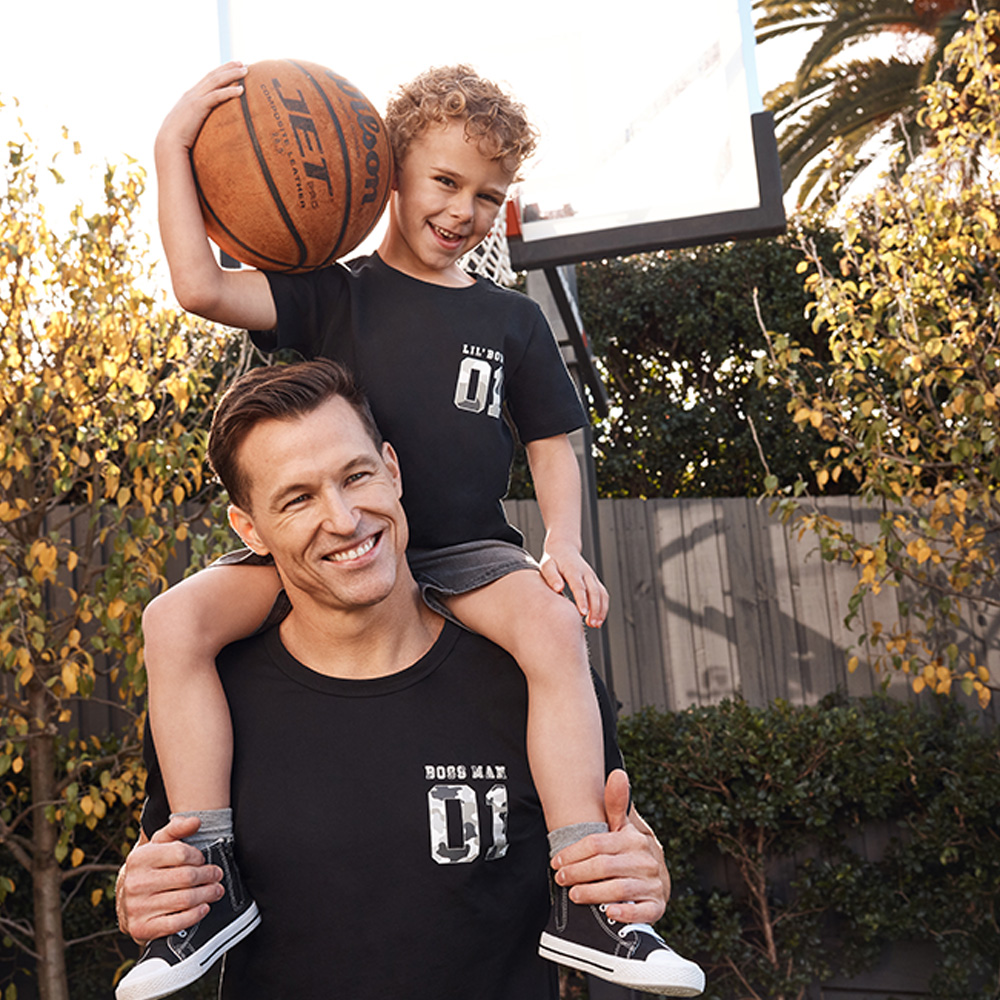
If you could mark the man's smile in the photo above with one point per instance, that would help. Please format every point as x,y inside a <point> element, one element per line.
<point>357,552</point>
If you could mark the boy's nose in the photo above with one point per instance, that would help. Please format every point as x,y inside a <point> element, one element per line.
<point>463,207</point>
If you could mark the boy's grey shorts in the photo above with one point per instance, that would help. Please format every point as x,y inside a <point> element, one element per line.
<point>440,573</point>
<point>457,569</point>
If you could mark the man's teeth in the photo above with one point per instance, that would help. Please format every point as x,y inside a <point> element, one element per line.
<point>364,547</point>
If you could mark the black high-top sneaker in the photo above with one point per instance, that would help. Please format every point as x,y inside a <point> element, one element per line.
<point>630,955</point>
<point>171,963</point>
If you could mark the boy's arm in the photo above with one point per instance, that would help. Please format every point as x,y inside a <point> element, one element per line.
<point>556,477</point>
<point>236,298</point>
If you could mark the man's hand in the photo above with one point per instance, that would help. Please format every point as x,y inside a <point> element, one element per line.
<point>624,864</point>
<point>165,885</point>
<point>563,566</point>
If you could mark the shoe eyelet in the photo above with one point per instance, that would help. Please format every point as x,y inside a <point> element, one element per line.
<point>621,933</point>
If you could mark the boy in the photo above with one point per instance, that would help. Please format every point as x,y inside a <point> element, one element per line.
<point>440,355</point>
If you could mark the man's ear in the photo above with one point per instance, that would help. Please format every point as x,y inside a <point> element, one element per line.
<point>241,522</point>
<point>392,464</point>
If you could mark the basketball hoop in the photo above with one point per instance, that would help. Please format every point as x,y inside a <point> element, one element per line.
<point>491,258</point>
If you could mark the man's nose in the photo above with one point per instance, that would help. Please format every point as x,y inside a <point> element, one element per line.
<point>339,516</point>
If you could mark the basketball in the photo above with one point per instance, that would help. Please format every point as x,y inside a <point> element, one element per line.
<point>295,172</point>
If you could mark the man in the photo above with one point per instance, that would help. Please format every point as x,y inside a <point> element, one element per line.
<point>386,820</point>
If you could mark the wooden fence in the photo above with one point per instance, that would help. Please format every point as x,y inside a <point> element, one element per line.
<point>714,597</point>
<point>710,598</point>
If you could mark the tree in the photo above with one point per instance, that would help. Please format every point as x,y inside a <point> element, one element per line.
<point>856,104</point>
<point>908,402</point>
<point>101,447</point>
<point>676,339</point>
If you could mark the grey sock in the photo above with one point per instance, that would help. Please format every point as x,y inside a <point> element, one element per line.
<point>566,835</point>
<point>215,823</point>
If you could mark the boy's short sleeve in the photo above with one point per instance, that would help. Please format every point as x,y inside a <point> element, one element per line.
<point>542,399</point>
<point>313,312</point>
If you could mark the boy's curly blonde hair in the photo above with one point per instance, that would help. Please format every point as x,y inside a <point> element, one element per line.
<point>495,120</point>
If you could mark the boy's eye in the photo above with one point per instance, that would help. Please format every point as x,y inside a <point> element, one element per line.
<point>447,181</point>
<point>492,199</point>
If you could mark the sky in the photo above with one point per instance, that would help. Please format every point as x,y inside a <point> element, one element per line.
<point>109,70</point>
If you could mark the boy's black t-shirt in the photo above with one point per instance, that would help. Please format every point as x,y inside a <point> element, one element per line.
<point>388,829</point>
<point>441,368</point>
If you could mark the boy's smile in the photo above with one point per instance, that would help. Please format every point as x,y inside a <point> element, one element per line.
<point>446,197</point>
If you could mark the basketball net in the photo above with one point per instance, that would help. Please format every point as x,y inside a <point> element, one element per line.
<point>492,257</point>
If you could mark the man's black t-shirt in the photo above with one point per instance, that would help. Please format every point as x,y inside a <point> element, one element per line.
<point>388,829</point>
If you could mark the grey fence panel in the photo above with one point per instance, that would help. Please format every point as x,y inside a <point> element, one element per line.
<point>712,597</point>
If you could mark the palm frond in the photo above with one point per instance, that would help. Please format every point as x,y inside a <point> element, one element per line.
<point>841,36</point>
<point>850,106</point>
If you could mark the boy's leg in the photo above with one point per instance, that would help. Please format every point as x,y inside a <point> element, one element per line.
<point>543,632</point>
<point>189,720</point>
<point>192,730</point>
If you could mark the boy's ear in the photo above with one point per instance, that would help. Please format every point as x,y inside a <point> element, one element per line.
<point>241,522</point>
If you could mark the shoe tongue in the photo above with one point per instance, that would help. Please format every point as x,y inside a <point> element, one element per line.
<point>645,928</point>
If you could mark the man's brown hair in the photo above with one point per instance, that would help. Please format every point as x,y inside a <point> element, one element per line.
<point>492,118</point>
<point>276,392</point>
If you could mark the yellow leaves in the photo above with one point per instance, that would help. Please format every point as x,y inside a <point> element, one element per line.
<point>145,408</point>
<point>805,413</point>
<point>919,550</point>
<point>116,608</point>
<point>43,557</point>
<point>69,678</point>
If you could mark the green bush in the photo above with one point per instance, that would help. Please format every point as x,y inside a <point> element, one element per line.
<point>761,813</point>
<point>678,340</point>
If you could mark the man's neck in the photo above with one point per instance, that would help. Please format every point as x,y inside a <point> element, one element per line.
<point>362,643</point>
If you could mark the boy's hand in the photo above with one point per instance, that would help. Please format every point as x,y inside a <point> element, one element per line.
<point>563,566</point>
<point>184,121</point>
